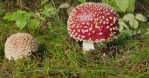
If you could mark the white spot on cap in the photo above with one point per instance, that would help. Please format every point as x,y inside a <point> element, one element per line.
<point>97,40</point>
<point>101,26</point>
<point>85,26</point>
<point>76,33</point>
<point>104,22</point>
<point>78,30</point>
<point>111,24</point>
<point>99,17</point>
<point>88,23</point>
<point>77,26</point>
<point>112,10</point>
<point>108,13</point>
<point>108,27</point>
<point>107,19</point>
<point>110,18</point>
<point>84,31</point>
<point>103,17</point>
<point>93,31</point>
<point>97,27</point>
<point>100,33</point>
<point>114,32</point>
<point>83,36</point>
<point>114,19</point>
<point>90,29</point>
<point>89,39</point>
<point>107,22</point>
<point>83,23</point>
<point>73,30</point>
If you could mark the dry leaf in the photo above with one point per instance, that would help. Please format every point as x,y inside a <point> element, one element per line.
<point>64,5</point>
<point>43,26</point>
<point>69,10</point>
<point>49,23</point>
<point>37,14</point>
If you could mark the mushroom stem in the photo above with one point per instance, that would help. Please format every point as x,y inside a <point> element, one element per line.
<point>88,45</point>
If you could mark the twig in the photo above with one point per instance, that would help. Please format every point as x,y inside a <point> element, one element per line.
<point>142,6</point>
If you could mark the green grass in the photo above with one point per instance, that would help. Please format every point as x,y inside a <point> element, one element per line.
<point>58,58</point>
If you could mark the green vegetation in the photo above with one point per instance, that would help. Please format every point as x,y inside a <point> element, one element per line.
<point>57,57</point>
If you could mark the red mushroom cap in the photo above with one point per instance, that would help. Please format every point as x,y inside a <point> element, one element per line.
<point>93,22</point>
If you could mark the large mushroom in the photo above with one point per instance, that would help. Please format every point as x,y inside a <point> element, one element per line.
<point>20,45</point>
<point>93,22</point>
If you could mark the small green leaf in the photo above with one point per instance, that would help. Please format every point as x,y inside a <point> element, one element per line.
<point>44,1</point>
<point>53,13</point>
<point>81,1</point>
<point>128,32</point>
<point>112,3</point>
<point>8,16</point>
<point>21,22</point>
<point>47,14</point>
<point>21,11</point>
<point>42,18</point>
<point>147,31</point>
<point>48,8</point>
<point>122,4</point>
<point>123,25</point>
<point>140,17</point>
<point>28,16</point>
<point>121,28</point>
<point>131,6</point>
<point>12,17</point>
<point>34,23</point>
<point>135,24</point>
<point>128,17</point>
<point>131,19</point>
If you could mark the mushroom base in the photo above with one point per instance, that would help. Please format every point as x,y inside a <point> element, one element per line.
<point>88,45</point>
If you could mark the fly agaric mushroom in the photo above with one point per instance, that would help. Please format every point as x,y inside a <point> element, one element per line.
<point>20,45</point>
<point>93,22</point>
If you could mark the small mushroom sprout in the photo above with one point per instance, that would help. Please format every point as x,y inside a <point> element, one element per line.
<point>20,45</point>
<point>93,22</point>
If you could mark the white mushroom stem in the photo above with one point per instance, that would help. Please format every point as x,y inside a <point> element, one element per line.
<point>88,45</point>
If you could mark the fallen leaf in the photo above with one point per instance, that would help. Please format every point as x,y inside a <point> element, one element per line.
<point>49,23</point>
<point>69,10</point>
<point>37,14</point>
<point>64,5</point>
